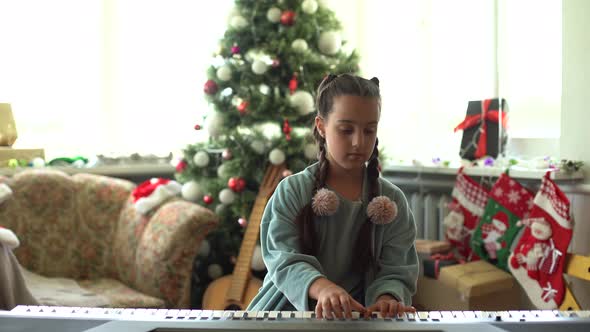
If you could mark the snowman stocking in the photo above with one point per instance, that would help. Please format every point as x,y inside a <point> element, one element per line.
<point>509,202</point>
<point>538,259</point>
<point>469,200</point>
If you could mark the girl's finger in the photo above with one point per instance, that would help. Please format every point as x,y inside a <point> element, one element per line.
<point>336,307</point>
<point>345,302</point>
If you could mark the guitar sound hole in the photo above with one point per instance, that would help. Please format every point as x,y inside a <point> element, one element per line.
<point>233,307</point>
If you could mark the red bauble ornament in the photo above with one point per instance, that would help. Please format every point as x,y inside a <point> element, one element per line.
<point>293,83</point>
<point>181,166</point>
<point>243,222</point>
<point>243,107</point>
<point>287,130</point>
<point>210,87</point>
<point>235,49</point>
<point>288,17</point>
<point>236,184</point>
<point>198,127</point>
<point>208,199</point>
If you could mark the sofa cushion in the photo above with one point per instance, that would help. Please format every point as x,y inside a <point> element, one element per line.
<point>101,292</point>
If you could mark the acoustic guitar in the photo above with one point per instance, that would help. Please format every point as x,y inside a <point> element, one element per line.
<point>235,291</point>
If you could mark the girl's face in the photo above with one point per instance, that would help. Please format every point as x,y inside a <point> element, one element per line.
<point>350,130</point>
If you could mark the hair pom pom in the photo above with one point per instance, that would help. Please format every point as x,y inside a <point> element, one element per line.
<point>375,80</point>
<point>325,202</point>
<point>382,210</point>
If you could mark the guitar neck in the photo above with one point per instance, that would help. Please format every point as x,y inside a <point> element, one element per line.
<point>242,269</point>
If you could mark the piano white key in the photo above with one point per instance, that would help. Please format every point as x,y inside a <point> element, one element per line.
<point>206,314</point>
<point>584,313</point>
<point>194,314</point>
<point>217,314</point>
<point>261,314</point>
<point>410,316</point>
<point>183,313</point>
<point>298,314</point>
<point>19,309</point>
<point>273,315</point>
<point>458,314</point>
<point>468,314</point>
<point>423,315</point>
<point>308,314</point>
<point>251,314</point>
<point>377,315</point>
<point>435,315</point>
<point>447,315</point>
<point>356,315</point>
<point>240,314</point>
<point>285,314</point>
<point>228,314</point>
<point>172,313</point>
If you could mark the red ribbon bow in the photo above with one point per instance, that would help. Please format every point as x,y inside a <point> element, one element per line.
<point>485,116</point>
<point>444,257</point>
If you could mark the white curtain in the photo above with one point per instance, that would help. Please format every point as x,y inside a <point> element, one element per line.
<point>123,76</point>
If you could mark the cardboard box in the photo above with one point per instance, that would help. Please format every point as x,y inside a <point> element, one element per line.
<point>8,132</point>
<point>471,286</point>
<point>7,153</point>
<point>430,247</point>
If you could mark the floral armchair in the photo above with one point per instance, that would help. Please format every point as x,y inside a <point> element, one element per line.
<point>84,229</point>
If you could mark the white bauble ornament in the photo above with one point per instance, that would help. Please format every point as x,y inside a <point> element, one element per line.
<point>214,271</point>
<point>273,15</point>
<point>201,159</point>
<point>222,171</point>
<point>238,22</point>
<point>309,6</point>
<point>259,67</point>
<point>226,196</point>
<point>264,89</point>
<point>205,248</point>
<point>276,156</point>
<point>191,191</point>
<point>214,124</point>
<point>219,209</point>
<point>299,45</point>
<point>224,73</point>
<point>257,146</point>
<point>330,42</point>
<point>310,151</point>
<point>303,101</point>
<point>257,261</point>
<point>38,162</point>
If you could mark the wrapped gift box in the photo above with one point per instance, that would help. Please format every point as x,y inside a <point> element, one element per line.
<point>472,286</point>
<point>427,248</point>
<point>484,115</point>
<point>433,264</point>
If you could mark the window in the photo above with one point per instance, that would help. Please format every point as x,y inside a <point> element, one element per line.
<point>124,76</point>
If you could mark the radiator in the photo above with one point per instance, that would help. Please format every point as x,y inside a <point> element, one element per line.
<point>429,210</point>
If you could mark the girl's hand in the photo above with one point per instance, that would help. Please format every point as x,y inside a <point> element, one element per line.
<point>388,306</point>
<point>335,301</point>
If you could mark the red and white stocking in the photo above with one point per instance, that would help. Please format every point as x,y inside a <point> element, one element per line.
<point>469,200</point>
<point>538,259</point>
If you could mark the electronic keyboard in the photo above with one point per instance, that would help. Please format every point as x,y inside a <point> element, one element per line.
<point>66,319</point>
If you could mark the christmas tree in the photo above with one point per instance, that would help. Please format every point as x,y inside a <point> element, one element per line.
<point>261,86</point>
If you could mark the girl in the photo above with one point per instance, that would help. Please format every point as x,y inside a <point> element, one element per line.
<point>336,237</point>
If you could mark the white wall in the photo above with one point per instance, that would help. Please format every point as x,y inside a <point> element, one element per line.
<point>575,117</point>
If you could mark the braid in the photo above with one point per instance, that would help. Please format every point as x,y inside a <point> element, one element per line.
<point>364,256</point>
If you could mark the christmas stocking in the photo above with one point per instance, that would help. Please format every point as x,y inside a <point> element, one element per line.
<point>509,202</point>
<point>469,200</point>
<point>538,259</point>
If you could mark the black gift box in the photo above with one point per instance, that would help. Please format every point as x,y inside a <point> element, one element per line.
<point>430,266</point>
<point>471,133</point>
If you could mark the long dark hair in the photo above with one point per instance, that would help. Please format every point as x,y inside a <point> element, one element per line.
<point>333,86</point>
